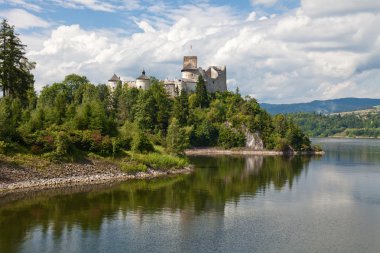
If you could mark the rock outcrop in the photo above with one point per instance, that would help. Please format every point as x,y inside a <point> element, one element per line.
<point>253,140</point>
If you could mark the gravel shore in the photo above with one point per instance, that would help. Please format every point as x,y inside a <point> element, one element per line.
<point>14,177</point>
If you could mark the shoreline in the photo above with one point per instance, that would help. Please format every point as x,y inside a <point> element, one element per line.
<point>218,151</point>
<point>87,180</point>
<point>15,178</point>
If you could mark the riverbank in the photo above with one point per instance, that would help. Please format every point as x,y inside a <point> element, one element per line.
<point>218,151</point>
<point>15,176</point>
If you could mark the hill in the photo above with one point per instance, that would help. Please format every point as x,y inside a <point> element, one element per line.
<point>324,106</point>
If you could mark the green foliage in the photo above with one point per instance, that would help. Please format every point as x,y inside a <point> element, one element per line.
<point>10,117</point>
<point>366,124</point>
<point>133,167</point>
<point>160,161</point>
<point>202,99</point>
<point>3,147</point>
<point>177,139</point>
<point>230,137</point>
<point>62,143</point>
<point>15,76</point>
<point>181,108</point>
<point>205,134</point>
<point>141,143</point>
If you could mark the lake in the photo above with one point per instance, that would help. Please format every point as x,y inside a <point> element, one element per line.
<point>229,204</point>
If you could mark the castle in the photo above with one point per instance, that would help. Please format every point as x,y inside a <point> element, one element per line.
<point>215,78</point>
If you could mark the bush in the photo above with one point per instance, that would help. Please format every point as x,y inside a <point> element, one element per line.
<point>204,135</point>
<point>159,161</point>
<point>141,143</point>
<point>133,167</point>
<point>177,139</point>
<point>3,147</point>
<point>230,138</point>
<point>62,143</point>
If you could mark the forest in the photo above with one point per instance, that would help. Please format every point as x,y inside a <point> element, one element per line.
<point>73,118</point>
<point>342,125</point>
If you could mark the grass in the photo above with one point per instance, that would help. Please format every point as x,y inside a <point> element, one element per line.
<point>159,161</point>
<point>129,161</point>
<point>133,167</point>
<point>26,160</point>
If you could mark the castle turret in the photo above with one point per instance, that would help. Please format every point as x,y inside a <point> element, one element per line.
<point>113,81</point>
<point>143,81</point>
<point>190,73</point>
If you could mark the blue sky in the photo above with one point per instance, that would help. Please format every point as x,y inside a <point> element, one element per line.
<point>277,51</point>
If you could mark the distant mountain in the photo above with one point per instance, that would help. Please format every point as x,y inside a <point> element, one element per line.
<point>324,106</point>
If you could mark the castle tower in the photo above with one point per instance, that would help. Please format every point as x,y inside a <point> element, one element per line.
<point>143,81</point>
<point>190,70</point>
<point>113,81</point>
<point>190,73</point>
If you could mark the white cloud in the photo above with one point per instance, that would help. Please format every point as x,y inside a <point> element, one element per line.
<point>251,16</point>
<point>339,7</point>
<point>264,2</point>
<point>24,4</point>
<point>23,19</point>
<point>301,55</point>
<point>96,5</point>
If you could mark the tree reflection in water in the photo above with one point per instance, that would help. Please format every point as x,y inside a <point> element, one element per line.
<point>216,181</point>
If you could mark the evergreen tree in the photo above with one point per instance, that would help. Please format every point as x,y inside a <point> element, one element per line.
<point>202,99</point>
<point>15,76</point>
<point>176,140</point>
<point>181,108</point>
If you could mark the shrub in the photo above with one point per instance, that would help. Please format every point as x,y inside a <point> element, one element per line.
<point>133,167</point>
<point>141,143</point>
<point>3,147</point>
<point>159,161</point>
<point>62,143</point>
<point>177,139</point>
<point>230,138</point>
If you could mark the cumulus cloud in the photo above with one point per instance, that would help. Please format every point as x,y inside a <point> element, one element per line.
<point>23,19</point>
<point>338,7</point>
<point>311,52</point>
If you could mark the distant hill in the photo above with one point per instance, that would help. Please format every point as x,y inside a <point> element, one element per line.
<point>324,106</point>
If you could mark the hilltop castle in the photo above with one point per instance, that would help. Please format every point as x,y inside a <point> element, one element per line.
<point>215,78</point>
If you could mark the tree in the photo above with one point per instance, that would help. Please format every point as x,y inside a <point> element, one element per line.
<point>163,105</point>
<point>202,99</point>
<point>181,108</point>
<point>15,76</point>
<point>177,139</point>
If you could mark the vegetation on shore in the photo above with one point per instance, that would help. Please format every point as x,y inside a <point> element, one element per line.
<point>354,124</point>
<point>72,119</point>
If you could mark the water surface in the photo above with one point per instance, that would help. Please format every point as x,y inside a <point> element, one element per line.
<point>229,204</point>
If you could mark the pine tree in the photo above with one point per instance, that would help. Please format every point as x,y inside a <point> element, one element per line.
<point>176,140</point>
<point>15,76</point>
<point>181,108</point>
<point>202,99</point>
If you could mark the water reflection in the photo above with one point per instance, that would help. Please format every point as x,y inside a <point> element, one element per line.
<point>216,181</point>
<point>350,152</point>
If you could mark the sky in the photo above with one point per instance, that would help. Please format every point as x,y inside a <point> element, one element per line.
<point>276,51</point>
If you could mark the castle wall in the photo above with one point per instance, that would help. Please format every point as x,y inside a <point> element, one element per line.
<point>142,84</point>
<point>112,84</point>
<point>190,75</point>
<point>215,78</point>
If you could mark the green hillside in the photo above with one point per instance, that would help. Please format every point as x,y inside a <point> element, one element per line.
<point>362,123</point>
<point>324,106</point>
